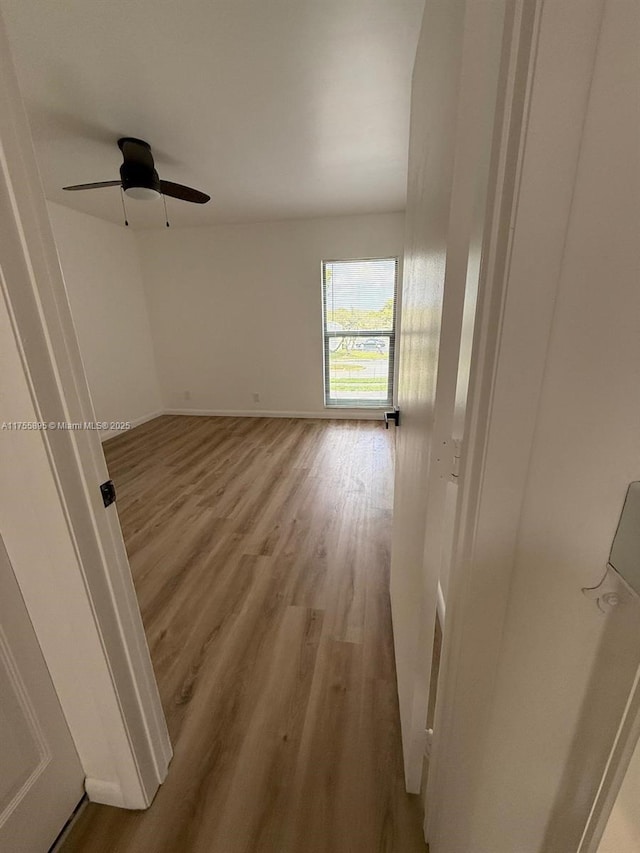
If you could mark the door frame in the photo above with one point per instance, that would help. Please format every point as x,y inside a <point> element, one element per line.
<point>108,692</point>
<point>513,327</point>
<point>624,746</point>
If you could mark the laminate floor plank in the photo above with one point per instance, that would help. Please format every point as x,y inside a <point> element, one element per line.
<point>260,553</point>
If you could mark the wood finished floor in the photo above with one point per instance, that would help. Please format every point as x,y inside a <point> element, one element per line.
<point>260,555</point>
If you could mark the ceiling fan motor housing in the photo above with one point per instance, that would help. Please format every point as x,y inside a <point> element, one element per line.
<point>134,175</point>
<point>137,170</point>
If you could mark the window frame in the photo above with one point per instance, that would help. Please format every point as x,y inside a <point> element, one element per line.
<point>351,403</point>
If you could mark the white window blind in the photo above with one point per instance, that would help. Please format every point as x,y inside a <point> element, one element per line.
<point>359,313</point>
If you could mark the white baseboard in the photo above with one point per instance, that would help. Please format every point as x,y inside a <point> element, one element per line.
<point>441,606</point>
<point>333,414</point>
<point>110,433</point>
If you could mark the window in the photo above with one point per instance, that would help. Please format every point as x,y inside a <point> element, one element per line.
<point>359,308</point>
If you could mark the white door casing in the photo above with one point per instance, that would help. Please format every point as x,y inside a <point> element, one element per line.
<point>552,444</point>
<point>74,576</point>
<point>41,779</point>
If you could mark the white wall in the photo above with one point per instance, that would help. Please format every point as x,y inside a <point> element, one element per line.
<point>102,275</point>
<point>236,310</point>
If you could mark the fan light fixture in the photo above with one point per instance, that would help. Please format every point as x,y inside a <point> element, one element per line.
<point>142,193</point>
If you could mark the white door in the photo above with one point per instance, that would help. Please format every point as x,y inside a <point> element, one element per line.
<point>452,121</point>
<point>41,780</point>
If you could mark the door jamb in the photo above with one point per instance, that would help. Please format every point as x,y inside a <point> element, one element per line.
<point>37,302</point>
<point>484,545</point>
<point>627,739</point>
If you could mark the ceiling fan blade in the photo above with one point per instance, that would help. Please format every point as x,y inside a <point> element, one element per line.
<point>184,193</point>
<point>136,151</point>
<point>93,186</point>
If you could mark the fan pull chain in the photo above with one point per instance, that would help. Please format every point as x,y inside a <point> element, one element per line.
<point>166,218</point>
<point>124,211</point>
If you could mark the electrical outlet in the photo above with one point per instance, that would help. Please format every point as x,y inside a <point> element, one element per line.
<point>256,397</point>
<point>187,395</point>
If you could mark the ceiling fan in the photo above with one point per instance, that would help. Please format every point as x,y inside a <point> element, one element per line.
<point>138,176</point>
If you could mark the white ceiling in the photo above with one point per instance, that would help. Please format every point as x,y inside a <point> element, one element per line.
<point>276,108</point>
